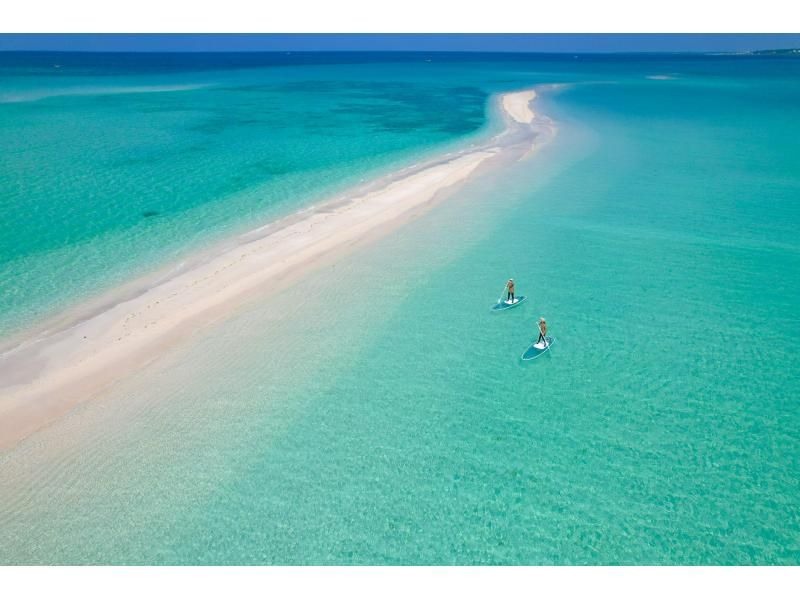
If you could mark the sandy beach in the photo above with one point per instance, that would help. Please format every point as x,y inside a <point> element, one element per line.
<point>518,105</point>
<point>75,357</point>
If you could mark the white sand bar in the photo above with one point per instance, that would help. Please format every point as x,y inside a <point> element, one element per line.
<point>518,105</point>
<point>52,370</point>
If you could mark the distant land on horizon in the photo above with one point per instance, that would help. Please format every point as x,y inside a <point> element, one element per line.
<point>778,52</point>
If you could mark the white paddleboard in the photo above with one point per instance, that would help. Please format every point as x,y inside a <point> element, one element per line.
<point>537,349</point>
<point>503,305</point>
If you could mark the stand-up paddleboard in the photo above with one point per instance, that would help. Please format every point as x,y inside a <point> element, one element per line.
<point>503,305</point>
<point>537,349</point>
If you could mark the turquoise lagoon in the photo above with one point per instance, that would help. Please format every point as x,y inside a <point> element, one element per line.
<point>376,412</point>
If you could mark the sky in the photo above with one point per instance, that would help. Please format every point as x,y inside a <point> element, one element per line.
<point>458,42</point>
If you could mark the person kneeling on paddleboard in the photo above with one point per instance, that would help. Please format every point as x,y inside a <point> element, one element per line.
<point>510,289</point>
<point>542,331</point>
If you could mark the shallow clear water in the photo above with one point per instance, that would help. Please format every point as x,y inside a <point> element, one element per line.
<point>377,412</point>
<point>108,173</point>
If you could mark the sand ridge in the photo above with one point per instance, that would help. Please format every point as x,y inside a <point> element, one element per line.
<point>49,373</point>
<point>518,105</point>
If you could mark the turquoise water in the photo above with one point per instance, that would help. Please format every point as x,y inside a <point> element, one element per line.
<point>378,413</point>
<point>108,173</point>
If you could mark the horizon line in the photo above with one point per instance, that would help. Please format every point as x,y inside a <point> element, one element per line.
<point>539,52</point>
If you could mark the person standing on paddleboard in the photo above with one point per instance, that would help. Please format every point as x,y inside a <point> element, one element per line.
<point>510,289</point>
<point>542,331</point>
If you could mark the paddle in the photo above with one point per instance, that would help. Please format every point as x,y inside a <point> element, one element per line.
<point>500,299</point>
